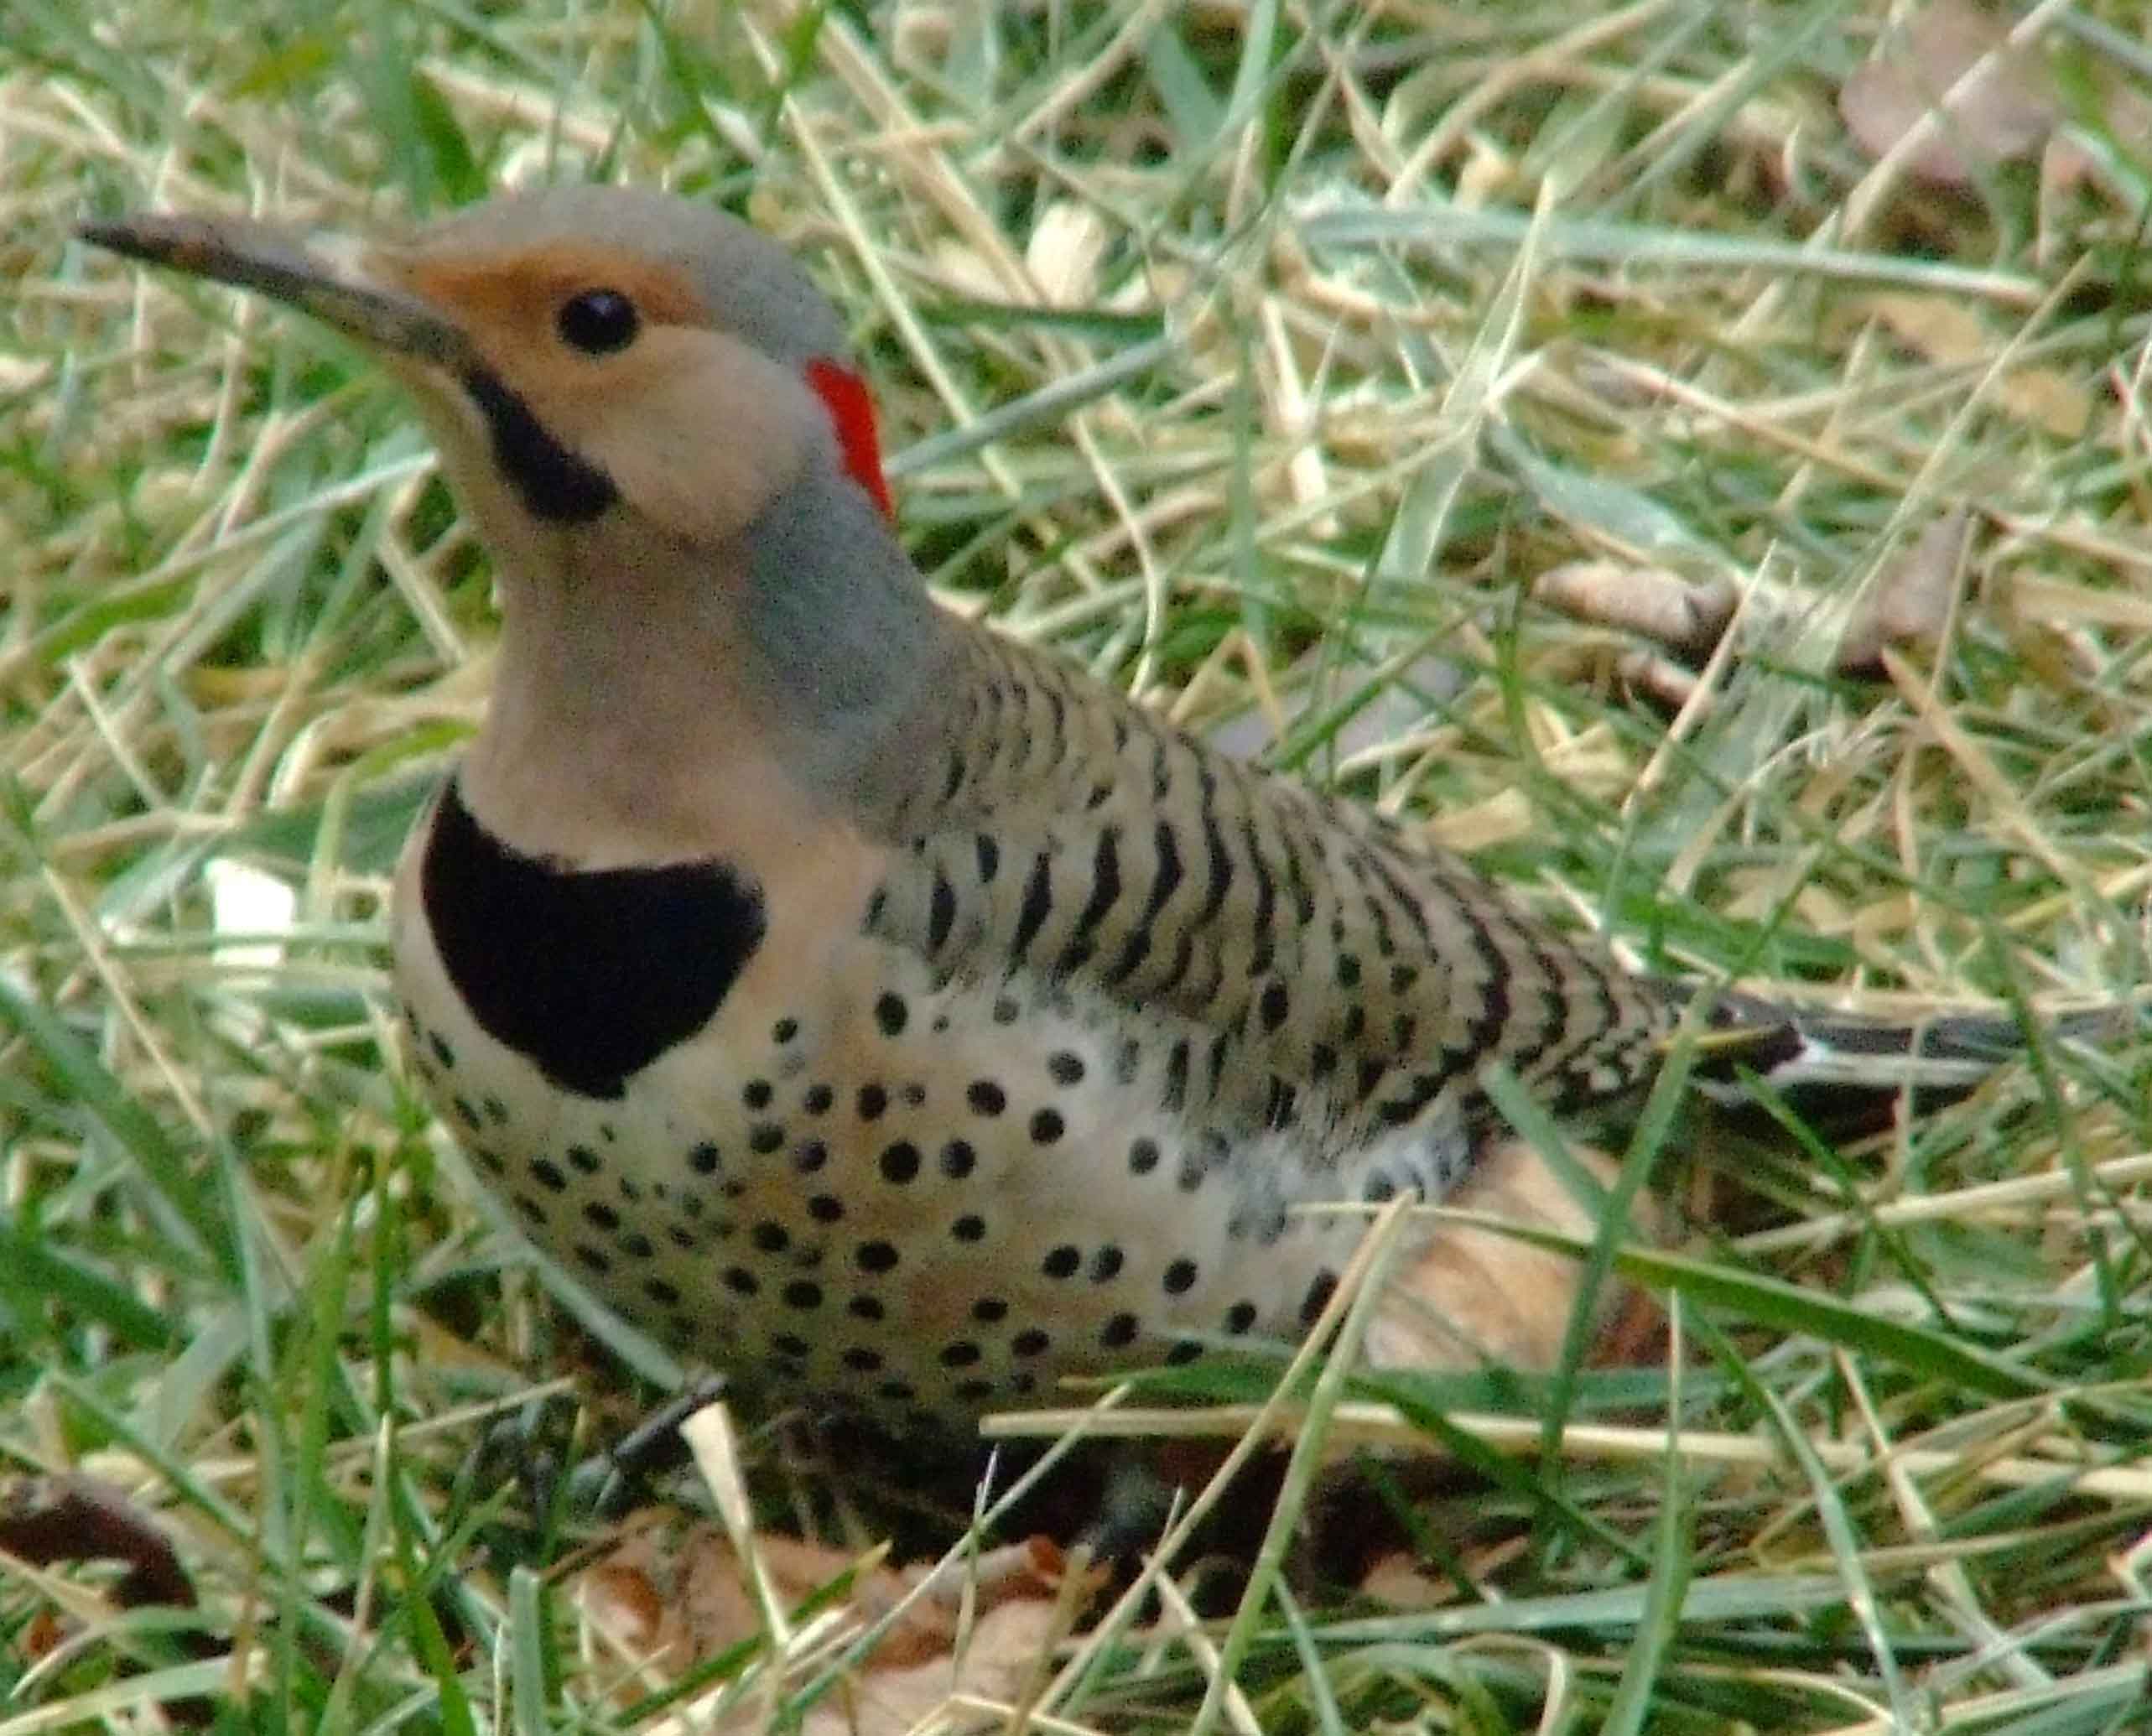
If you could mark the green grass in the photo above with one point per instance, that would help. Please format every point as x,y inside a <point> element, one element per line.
<point>1260,359</point>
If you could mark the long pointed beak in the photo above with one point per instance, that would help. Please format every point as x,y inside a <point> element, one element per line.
<point>255,256</point>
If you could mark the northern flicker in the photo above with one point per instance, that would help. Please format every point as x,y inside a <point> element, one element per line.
<point>881,1010</point>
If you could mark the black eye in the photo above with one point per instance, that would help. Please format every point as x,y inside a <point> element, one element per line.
<point>599,321</point>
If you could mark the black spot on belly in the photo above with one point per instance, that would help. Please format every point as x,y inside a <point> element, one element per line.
<point>591,974</point>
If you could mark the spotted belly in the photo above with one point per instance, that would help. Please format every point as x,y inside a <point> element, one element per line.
<point>914,1202</point>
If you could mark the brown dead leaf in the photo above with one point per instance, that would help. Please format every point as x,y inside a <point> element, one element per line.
<point>44,1634</point>
<point>996,1667</point>
<point>674,1589</point>
<point>1952,334</point>
<point>1474,1293</point>
<point>1657,680</point>
<point>673,1593</point>
<point>1687,618</point>
<point>2001,115</point>
<point>1909,605</point>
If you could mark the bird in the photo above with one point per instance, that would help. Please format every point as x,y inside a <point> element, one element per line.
<point>882,1010</point>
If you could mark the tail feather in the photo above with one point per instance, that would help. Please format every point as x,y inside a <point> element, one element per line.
<point>1834,1067</point>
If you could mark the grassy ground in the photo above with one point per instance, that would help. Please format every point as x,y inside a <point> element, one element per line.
<point>1261,358</point>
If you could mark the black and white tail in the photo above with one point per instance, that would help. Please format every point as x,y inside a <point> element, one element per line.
<point>1839,1068</point>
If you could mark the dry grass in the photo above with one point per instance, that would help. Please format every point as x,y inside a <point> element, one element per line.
<point>1259,357</point>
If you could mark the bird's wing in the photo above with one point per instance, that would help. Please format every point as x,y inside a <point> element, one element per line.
<point>1061,833</point>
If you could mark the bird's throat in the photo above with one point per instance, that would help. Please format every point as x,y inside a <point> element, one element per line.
<point>622,725</point>
<point>654,698</point>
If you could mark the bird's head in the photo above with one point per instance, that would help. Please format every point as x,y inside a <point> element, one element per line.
<point>647,408</point>
<point>579,351</point>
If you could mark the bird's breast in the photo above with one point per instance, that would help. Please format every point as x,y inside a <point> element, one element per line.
<point>825,1168</point>
<point>588,976</point>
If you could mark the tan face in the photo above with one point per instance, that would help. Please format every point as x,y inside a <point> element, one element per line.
<point>616,362</point>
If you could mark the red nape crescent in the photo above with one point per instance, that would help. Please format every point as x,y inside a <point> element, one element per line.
<point>851,411</point>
